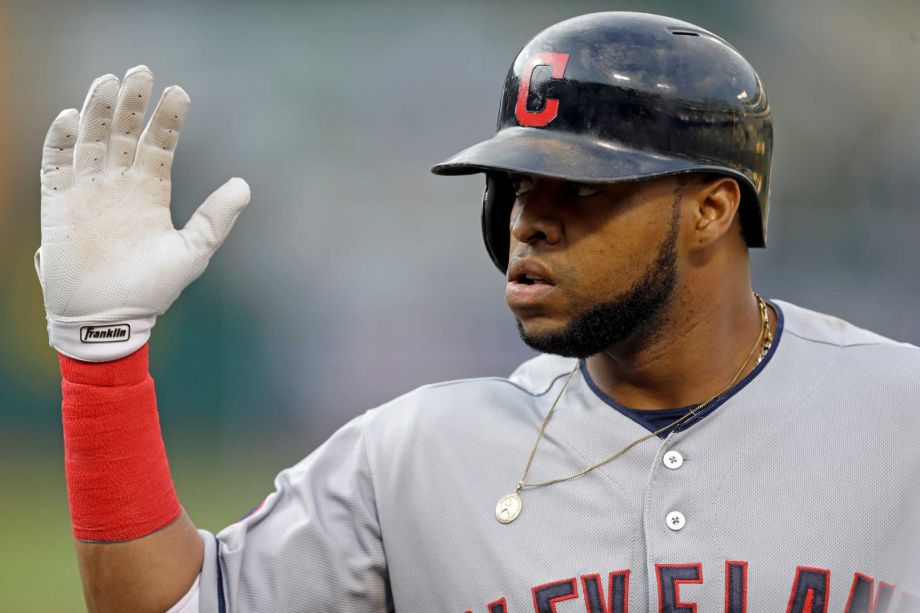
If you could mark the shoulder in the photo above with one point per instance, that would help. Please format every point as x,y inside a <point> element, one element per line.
<point>531,379</point>
<point>861,353</point>
<point>448,425</point>
<point>462,402</point>
<point>823,328</point>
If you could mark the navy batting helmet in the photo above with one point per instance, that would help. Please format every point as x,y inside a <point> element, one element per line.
<point>612,97</point>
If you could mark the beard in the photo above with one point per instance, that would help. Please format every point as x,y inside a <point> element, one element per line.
<point>633,316</point>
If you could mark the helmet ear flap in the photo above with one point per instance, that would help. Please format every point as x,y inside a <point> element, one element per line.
<point>496,214</point>
<point>753,214</point>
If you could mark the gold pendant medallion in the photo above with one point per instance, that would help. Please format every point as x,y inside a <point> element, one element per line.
<point>508,508</point>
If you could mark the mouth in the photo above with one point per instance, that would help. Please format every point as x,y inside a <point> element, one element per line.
<point>529,284</point>
<point>526,294</point>
<point>529,271</point>
<point>526,279</point>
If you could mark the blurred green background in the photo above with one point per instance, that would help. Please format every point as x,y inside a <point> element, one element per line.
<point>355,275</point>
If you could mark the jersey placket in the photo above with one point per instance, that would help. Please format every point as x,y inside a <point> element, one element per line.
<point>670,507</point>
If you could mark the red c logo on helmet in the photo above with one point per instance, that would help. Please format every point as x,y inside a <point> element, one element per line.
<point>538,119</point>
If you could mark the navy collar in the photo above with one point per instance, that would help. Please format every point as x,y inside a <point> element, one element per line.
<point>637,414</point>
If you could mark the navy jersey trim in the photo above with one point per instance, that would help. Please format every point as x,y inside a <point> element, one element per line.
<point>221,603</point>
<point>637,414</point>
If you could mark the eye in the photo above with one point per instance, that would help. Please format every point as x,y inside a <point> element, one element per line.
<point>583,190</point>
<point>521,184</point>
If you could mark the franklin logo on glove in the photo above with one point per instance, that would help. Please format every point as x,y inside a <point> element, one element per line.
<point>117,333</point>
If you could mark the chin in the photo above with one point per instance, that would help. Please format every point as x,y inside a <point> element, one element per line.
<point>539,325</point>
<point>548,336</point>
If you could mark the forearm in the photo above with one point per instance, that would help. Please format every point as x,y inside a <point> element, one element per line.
<point>137,549</point>
<point>147,574</point>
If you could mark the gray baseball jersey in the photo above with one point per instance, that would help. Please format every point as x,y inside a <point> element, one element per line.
<point>797,490</point>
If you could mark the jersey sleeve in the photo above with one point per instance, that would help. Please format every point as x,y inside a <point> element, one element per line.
<point>314,544</point>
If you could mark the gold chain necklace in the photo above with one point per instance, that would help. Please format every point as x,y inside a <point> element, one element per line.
<point>509,506</point>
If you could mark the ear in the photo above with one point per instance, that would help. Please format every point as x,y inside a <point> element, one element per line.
<point>715,203</point>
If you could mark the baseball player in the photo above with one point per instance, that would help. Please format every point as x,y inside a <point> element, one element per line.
<point>681,444</point>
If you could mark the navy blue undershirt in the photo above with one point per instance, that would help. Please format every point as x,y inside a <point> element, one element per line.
<point>655,419</point>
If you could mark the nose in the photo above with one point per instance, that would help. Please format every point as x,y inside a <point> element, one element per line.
<point>534,219</point>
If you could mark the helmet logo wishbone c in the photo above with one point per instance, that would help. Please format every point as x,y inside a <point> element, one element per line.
<point>539,119</point>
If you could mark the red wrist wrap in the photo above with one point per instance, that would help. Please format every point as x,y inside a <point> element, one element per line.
<point>118,479</point>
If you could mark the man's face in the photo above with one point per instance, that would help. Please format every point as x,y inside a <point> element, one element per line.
<point>591,265</point>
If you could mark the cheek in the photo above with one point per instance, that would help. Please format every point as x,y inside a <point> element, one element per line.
<point>612,256</point>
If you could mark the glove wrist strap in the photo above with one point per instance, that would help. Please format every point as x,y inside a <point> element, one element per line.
<point>99,341</point>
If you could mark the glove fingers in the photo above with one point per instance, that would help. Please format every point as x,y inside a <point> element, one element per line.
<point>95,123</point>
<point>211,223</point>
<point>158,141</point>
<point>57,153</point>
<point>128,118</point>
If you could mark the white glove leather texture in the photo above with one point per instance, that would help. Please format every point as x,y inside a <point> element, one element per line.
<point>110,259</point>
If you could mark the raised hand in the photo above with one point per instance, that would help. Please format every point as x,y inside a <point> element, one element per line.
<point>110,259</point>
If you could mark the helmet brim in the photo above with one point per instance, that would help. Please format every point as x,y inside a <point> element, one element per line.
<point>566,156</point>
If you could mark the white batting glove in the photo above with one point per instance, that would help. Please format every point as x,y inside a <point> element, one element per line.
<point>110,259</point>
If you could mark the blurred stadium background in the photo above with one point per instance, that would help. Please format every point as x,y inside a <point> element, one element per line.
<point>355,275</point>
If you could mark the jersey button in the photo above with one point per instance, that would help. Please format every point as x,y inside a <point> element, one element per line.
<point>673,460</point>
<point>675,520</point>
